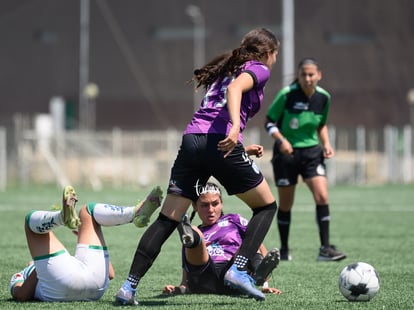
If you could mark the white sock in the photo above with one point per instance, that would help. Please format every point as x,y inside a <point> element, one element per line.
<point>110,215</point>
<point>41,222</point>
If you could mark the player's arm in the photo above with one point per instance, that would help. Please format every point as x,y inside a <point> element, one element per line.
<point>25,291</point>
<point>243,83</point>
<point>328,151</point>
<point>274,114</point>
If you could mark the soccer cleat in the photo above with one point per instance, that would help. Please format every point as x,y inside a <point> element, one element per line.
<point>330,253</point>
<point>268,264</point>
<point>186,232</point>
<point>239,279</point>
<point>21,276</point>
<point>285,255</point>
<point>69,216</point>
<point>146,208</point>
<point>126,295</point>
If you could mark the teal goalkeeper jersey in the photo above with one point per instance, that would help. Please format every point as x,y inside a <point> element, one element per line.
<point>299,117</point>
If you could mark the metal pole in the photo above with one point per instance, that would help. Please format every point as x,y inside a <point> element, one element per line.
<point>288,41</point>
<point>3,159</point>
<point>199,33</point>
<point>83,63</point>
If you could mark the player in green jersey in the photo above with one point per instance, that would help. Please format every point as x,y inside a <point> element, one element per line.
<point>297,120</point>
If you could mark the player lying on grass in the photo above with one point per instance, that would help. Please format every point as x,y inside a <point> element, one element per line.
<point>54,274</point>
<point>210,249</point>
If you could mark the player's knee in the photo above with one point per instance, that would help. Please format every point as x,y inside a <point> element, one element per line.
<point>269,209</point>
<point>84,213</point>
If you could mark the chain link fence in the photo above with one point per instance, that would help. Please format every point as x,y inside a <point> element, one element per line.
<point>140,158</point>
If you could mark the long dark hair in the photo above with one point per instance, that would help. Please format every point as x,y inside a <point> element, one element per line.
<point>255,44</point>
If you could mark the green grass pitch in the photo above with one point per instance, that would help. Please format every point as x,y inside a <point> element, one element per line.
<point>373,224</point>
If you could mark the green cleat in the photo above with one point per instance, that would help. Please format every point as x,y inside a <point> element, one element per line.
<point>145,209</point>
<point>69,216</point>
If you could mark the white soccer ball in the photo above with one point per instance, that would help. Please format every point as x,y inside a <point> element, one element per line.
<point>359,282</point>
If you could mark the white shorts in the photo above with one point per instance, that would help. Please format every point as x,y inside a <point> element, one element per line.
<point>62,277</point>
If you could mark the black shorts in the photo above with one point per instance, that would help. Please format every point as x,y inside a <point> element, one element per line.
<point>306,162</point>
<point>198,159</point>
<point>208,279</point>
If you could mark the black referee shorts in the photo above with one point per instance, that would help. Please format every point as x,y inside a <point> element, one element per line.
<point>306,162</point>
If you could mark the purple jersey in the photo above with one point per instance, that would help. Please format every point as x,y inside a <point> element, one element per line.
<point>224,238</point>
<point>213,116</point>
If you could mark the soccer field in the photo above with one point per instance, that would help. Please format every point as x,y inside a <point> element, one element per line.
<point>373,224</point>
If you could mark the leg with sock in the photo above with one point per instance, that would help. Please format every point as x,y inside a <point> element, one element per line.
<point>327,252</point>
<point>111,215</point>
<point>283,225</point>
<point>257,229</point>
<point>322,220</point>
<point>41,222</point>
<point>148,249</point>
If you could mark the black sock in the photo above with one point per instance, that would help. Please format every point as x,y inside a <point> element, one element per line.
<point>283,224</point>
<point>255,262</point>
<point>256,231</point>
<point>322,219</point>
<point>150,245</point>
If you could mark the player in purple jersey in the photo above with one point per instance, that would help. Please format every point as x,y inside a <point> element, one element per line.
<point>212,146</point>
<point>209,250</point>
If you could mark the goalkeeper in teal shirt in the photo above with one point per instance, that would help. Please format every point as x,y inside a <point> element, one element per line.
<point>297,121</point>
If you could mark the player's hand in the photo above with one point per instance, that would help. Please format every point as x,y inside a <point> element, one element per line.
<point>229,143</point>
<point>271,290</point>
<point>254,150</point>
<point>328,151</point>
<point>168,289</point>
<point>174,290</point>
<point>286,148</point>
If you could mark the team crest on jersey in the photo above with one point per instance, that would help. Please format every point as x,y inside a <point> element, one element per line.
<point>294,123</point>
<point>223,223</point>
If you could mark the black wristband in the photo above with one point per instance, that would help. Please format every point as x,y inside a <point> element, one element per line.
<point>279,141</point>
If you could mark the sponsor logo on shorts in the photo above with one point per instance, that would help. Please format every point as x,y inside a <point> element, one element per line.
<point>282,182</point>
<point>255,168</point>
<point>320,170</point>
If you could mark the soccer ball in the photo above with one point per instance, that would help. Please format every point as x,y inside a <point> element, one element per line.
<point>359,282</point>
